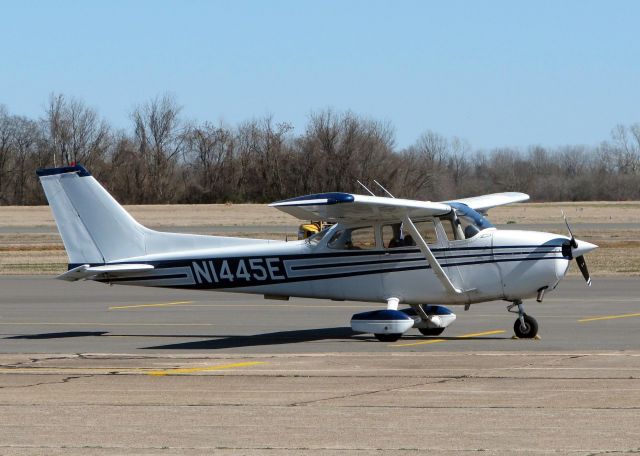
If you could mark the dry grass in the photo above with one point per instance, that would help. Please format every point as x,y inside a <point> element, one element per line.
<point>183,215</point>
<point>28,253</point>
<point>582,212</point>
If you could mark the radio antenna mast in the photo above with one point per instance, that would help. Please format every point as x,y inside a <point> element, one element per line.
<point>365,187</point>
<point>384,189</point>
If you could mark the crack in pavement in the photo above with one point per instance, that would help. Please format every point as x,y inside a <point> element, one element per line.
<point>384,390</point>
<point>324,449</point>
<point>629,451</point>
<point>552,361</point>
<point>32,361</point>
<point>64,380</point>
<point>238,405</point>
<point>489,407</point>
<point>129,371</point>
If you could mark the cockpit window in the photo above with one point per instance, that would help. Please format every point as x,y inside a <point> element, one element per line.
<point>353,239</point>
<point>472,221</point>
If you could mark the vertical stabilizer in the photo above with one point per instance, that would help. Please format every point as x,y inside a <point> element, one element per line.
<point>93,226</point>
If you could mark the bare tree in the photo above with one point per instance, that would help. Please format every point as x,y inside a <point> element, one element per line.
<point>159,140</point>
<point>426,161</point>
<point>263,153</point>
<point>458,163</point>
<point>626,148</point>
<point>209,152</point>
<point>341,148</point>
<point>75,133</point>
<point>6,153</point>
<point>26,140</point>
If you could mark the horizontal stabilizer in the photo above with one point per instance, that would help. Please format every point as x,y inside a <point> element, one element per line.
<point>86,271</point>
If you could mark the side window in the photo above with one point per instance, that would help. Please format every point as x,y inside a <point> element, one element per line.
<point>356,239</point>
<point>391,237</point>
<point>450,229</point>
<point>427,230</point>
<point>363,238</point>
<point>394,236</point>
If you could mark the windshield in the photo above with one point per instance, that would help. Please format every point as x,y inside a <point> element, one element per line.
<point>316,238</point>
<point>471,216</point>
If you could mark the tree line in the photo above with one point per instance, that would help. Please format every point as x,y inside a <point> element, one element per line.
<point>163,158</point>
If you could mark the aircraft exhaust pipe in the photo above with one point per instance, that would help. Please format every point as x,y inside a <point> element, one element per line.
<point>541,294</point>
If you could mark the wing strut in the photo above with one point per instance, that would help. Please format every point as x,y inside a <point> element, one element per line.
<point>431,259</point>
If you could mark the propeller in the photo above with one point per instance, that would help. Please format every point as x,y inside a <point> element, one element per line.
<point>573,244</point>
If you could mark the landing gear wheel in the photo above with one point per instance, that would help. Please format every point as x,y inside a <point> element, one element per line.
<point>388,337</point>
<point>530,329</point>
<point>431,331</point>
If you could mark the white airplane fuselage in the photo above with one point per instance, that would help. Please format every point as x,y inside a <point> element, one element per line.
<point>494,264</point>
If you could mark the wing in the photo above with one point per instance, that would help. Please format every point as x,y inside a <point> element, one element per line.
<point>347,207</point>
<point>485,202</point>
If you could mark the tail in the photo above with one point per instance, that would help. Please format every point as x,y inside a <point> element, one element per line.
<point>95,229</point>
<point>93,226</point>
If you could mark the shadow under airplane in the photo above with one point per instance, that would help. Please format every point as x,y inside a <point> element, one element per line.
<point>59,335</point>
<point>292,337</point>
<point>274,338</point>
<point>219,342</point>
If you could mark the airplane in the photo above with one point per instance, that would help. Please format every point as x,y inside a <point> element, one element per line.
<point>393,251</point>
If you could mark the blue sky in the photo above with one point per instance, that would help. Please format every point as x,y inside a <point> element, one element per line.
<point>496,73</point>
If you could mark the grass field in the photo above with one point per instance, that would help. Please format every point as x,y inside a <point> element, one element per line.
<point>30,244</point>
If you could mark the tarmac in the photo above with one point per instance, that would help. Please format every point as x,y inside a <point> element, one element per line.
<point>88,369</point>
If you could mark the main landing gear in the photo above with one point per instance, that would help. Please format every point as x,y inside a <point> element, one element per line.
<point>525,327</point>
<point>390,324</point>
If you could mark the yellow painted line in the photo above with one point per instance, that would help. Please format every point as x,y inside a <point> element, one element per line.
<point>486,333</point>
<point>121,369</point>
<point>164,304</point>
<point>189,370</point>
<point>464,336</point>
<point>302,306</point>
<point>45,323</point>
<point>424,342</point>
<point>609,317</point>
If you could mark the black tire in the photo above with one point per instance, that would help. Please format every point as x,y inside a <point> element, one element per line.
<point>531,328</point>
<point>431,331</point>
<point>388,337</point>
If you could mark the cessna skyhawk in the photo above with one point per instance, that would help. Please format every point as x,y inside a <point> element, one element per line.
<point>389,250</point>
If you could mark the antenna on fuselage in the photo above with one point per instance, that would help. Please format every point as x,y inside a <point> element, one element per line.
<point>384,189</point>
<point>365,187</point>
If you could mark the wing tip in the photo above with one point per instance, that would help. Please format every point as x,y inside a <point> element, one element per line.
<point>320,199</point>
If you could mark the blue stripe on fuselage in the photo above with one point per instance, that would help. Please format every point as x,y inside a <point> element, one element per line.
<point>233,272</point>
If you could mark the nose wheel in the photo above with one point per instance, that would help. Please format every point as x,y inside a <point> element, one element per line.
<point>525,326</point>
